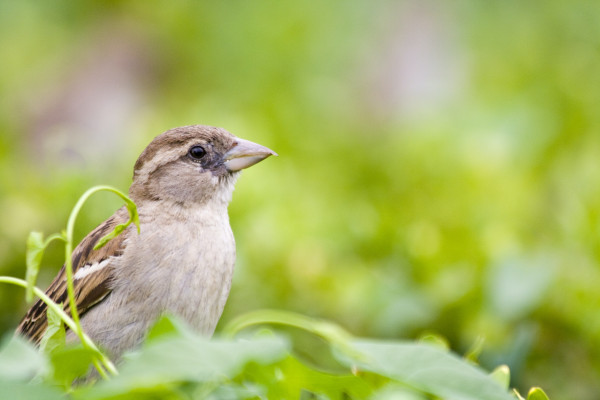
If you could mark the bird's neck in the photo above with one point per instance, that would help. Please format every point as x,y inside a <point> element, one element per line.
<point>165,211</point>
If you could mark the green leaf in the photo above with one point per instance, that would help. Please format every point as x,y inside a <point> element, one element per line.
<point>394,391</point>
<point>234,391</point>
<point>33,259</point>
<point>34,255</point>
<point>133,218</point>
<point>167,326</point>
<point>434,339</point>
<point>54,337</point>
<point>29,391</point>
<point>70,363</point>
<point>110,236</point>
<point>501,375</point>
<point>287,378</point>
<point>20,360</point>
<point>427,369</point>
<point>537,393</point>
<point>185,357</point>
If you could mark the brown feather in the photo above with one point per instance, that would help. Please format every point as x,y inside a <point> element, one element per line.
<point>89,290</point>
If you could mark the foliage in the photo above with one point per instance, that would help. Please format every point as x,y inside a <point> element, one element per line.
<point>56,316</point>
<point>177,363</point>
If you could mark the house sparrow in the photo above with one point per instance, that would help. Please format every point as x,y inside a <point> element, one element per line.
<point>182,260</point>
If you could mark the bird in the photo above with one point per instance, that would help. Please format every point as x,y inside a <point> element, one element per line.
<point>180,263</point>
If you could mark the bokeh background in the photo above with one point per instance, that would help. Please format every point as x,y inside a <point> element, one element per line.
<point>439,161</point>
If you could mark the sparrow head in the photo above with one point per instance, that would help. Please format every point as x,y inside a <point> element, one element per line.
<point>193,164</point>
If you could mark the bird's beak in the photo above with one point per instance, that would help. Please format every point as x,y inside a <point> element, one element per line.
<point>244,154</point>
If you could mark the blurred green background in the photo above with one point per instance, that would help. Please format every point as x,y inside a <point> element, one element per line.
<point>438,171</point>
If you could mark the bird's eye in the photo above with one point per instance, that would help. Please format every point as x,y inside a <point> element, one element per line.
<point>197,152</point>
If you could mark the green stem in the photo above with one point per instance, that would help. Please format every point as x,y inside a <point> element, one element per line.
<point>261,317</point>
<point>331,332</point>
<point>51,238</point>
<point>69,249</point>
<point>85,339</point>
<point>69,265</point>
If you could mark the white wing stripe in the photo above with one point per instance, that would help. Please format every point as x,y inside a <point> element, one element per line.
<point>90,269</point>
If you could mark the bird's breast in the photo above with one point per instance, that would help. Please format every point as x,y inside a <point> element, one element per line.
<point>182,268</point>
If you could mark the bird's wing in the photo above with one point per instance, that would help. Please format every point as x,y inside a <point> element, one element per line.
<point>92,272</point>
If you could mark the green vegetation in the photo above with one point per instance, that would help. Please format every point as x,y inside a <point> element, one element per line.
<point>437,171</point>
<point>176,363</point>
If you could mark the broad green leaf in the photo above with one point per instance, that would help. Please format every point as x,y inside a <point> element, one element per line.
<point>35,253</point>
<point>69,363</point>
<point>435,340</point>
<point>167,325</point>
<point>287,378</point>
<point>537,393</point>
<point>394,391</point>
<point>54,336</point>
<point>428,369</point>
<point>28,391</point>
<point>186,357</point>
<point>234,391</point>
<point>20,360</point>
